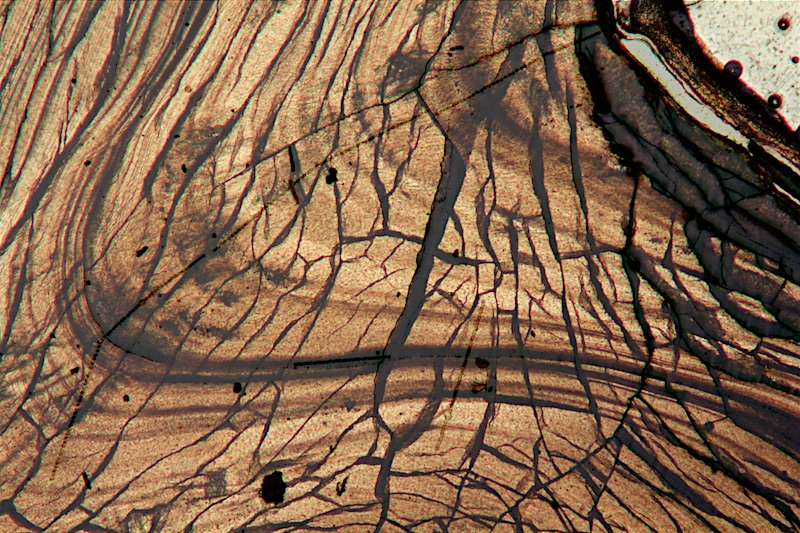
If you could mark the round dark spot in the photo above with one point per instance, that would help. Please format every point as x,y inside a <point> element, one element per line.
<point>532,333</point>
<point>247,165</point>
<point>734,68</point>
<point>795,59</point>
<point>176,136</point>
<point>141,116</point>
<point>74,370</point>
<point>331,178</point>
<point>455,253</point>
<point>126,398</point>
<point>87,162</point>
<point>398,295</point>
<point>74,80</point>
<point>783,24</point>
<point>273,488</point>
<point>213,235</point>
<point>187,24</point>
<point>87,282</point>
<point>774,101</point>
<point>480,362</point>
<point>708,426</point>
<point>183,168</point>
<point>237,387</point>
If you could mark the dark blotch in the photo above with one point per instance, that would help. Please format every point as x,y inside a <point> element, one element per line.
<point>331,178</point>
<point>734,68</point>
<point>455,253</point>
<point>341,486</point>
<point>478,387</point>
<point>176,136</point>
<point>74,370</point>
<point>708,426</point>
<point>532,333</point>
<point>74,80</point>
<point>783,24</point>
<point>140,252</point>
<point>87,282</point>
<point>87,162</point>
<point>126,398</point>
<point>480,362</point>
<point>273,488</point>
<point>183,168</point>
<point>237,387</point>
<point>456,48</point>
<point>795,59</point>
<point>213,235</point>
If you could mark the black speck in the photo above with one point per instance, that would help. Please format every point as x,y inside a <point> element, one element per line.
<point>140,252</point>
<point>176,136</point>
<point>183,168</point>
<point>237,387</point>
<point>141,116</point>
<point>532,333</point>
<point>398,295</point>
<point>126,398</point>
<point>331,178</point>
<point>342,486</point>
<point>273,488</point>
<point>456,48</point>
<point>187,24</point>
<point>213,235</point>
<point>74,80</point>
<point>87,162</point>
<point>455,253</point>
<point>87,282</point>
<point>74,370</point>
<point>247,165</point>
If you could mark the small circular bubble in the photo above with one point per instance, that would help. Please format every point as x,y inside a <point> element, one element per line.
<point>783,24</point>
<point>734,68</point>
<point>774,101</point>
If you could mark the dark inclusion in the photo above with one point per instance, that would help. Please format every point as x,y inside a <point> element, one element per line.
<point>331,178</point>
<point>237,387</point>
<point>273,488</point>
